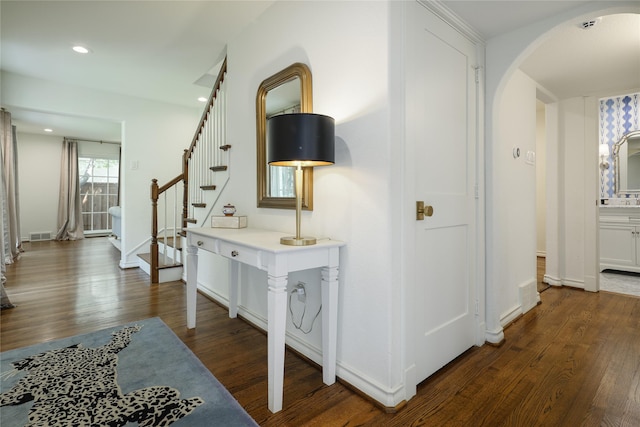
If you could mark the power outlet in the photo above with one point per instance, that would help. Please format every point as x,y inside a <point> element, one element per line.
<point>301,291</point>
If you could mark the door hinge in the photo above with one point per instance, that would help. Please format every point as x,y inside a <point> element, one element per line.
<point>477,68</point>
<point>477,307</point>
<point>476,191</point>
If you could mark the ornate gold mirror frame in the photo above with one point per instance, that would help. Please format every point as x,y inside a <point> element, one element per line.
<point>290,74</point>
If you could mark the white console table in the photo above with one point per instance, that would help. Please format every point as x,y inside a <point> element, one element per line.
<point>262,249</point>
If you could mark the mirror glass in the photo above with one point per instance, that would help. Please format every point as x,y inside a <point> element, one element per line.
<point>626,161</point>
<point>284,99</point>
<point>288,91</point>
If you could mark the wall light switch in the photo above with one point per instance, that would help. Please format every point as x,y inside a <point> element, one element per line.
<point>134,165</point>
<point>530,159</point>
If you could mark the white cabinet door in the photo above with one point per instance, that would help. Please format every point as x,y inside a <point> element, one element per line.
<point>617,246</point>
<point>440,129</point>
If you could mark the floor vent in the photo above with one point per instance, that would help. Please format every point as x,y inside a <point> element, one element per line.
<point>35,237</point>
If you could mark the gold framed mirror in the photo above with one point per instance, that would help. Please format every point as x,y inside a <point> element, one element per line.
<point>289,91</point>
<point>626,164</point>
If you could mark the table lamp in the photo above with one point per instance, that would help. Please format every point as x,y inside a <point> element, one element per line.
<point>300,140</point>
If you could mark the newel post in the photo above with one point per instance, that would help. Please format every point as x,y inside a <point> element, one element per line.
<point>154,232</point>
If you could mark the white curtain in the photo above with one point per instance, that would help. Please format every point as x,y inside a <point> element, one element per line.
<point>70,225</point>
<point>11,244</point>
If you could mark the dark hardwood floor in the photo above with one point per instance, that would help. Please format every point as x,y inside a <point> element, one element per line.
<point>574,360</point>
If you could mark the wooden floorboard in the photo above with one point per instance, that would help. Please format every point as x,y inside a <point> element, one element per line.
<point>573,360</point>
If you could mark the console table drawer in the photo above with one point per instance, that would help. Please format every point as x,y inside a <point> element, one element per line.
<point>243,254</point>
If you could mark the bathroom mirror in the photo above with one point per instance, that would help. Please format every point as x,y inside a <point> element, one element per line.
<point>289,91</point>
<point>626,163</point>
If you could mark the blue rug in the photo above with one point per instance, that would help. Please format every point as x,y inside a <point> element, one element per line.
<point>135,374</point>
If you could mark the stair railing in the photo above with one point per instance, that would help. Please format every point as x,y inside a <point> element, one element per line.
<point>205,154</point>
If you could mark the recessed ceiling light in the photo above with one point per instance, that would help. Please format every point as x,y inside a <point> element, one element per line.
<point>202,99</point>
<point>80,49</point>
<point>48,130</point>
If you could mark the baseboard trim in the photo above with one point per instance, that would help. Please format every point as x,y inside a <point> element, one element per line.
<point>495,338</point>
<point>129,264</point>
<point>573,283</point>
<point>553,281</point>
<point>390,399</point>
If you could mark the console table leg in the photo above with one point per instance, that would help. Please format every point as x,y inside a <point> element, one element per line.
<point>234,269</point>
<point>277,318</point>
<point>329,323</point>
<point>192,285</point>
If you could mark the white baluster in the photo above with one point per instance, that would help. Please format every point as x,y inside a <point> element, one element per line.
<point>175,222</point>
<point>164,232</point>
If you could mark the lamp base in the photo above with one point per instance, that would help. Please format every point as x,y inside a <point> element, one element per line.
<point>302,241</point>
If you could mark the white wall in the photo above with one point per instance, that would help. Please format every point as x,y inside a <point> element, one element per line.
<point>352,197</point>
<point>572,134</point>
<point>578,136</point>
<point>153,134</point>
<point>514,192</point>
<point>541,177</point>
<point>39,182</point>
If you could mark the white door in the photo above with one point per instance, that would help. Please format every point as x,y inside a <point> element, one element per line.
<point>441,133</point>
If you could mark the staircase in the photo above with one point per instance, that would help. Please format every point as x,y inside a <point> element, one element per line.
<point>189,198</point>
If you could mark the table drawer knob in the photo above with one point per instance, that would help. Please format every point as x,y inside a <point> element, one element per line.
<point>200,243</point>
<point>234,253</point>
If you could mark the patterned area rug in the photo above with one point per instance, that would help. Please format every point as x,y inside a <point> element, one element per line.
<point>135,374</point>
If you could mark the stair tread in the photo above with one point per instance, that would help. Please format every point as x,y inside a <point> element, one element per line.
<point>207,187</point>
<point>170,242</point>
<point>147,258</point>
<point>218,168</point>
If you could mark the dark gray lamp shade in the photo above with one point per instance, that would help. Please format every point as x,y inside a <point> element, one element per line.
<point>303,139</point>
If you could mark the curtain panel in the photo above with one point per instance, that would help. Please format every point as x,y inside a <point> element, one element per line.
<point>11,201</point>
<point>11,243</point>
<point>70,226</point>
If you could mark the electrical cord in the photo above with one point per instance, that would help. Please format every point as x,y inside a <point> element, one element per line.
<point>304,311</point>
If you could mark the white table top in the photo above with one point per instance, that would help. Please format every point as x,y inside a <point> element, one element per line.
<point>260,239</point>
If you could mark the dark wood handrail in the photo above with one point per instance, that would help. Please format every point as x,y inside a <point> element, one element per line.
<point>170,184</point>
<point>212,98</point>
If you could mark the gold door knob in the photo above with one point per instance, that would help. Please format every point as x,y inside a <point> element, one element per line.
<point>422,210</point>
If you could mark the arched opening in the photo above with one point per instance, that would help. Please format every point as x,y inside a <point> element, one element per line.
<point>504,56</point>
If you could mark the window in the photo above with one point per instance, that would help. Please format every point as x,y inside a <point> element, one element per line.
<point>99,179</point>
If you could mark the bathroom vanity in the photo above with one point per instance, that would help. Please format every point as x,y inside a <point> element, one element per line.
<point>620,237</point>
<point>620,215</point>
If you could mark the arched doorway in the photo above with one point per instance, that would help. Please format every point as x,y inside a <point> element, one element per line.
<point>504,56</point>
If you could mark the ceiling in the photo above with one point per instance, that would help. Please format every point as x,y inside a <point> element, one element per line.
<point>168,50</point>
<point>603,59</point>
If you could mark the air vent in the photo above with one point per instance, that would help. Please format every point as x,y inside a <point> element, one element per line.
<point>35,237</point>
<point>590,24</point>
